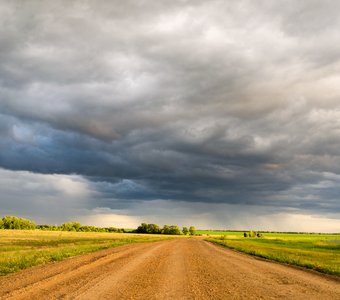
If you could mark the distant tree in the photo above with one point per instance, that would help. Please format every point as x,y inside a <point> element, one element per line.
<point>245,234</point>
<point>166,229</point>
<point>142,228</point>
<point>175,230</point>
<point>70,226</point>
<point>87,228</point>
<point>185,230</point>
<point>154,228</point>
<point>44,227</point>
<point>113,229</point>
<point>148,228</point>
<point>1,224</point>
<point>11,222</point>
<point>192,230</point>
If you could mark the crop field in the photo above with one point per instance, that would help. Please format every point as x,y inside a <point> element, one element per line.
<point>319,252</point>
<point>20,249</point>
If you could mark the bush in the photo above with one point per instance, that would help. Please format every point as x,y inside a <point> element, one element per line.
<point>113,229</point>
<point>253,234</point>
<point>47,227</point>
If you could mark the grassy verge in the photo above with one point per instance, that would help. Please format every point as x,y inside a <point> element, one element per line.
<point>20,249</point>
<point>317,252</point>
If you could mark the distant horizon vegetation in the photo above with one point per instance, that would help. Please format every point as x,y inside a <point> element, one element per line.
<point>14,222</point>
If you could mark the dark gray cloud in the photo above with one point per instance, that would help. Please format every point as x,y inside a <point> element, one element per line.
<point>188,102</point>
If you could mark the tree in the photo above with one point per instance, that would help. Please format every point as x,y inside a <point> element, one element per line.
<point>192,230</point>
<point>175,230</point>
<point>142,228</point>
<point>185,230</point>
<point>70,226</point>
<point>166,229</point>
<point>148,228</point>
<point>154,228</point>
<point>11,222</point>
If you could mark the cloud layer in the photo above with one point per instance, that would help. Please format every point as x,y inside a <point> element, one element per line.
<point>204,103</point>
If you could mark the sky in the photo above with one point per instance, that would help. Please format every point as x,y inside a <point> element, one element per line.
<point>217,114</point>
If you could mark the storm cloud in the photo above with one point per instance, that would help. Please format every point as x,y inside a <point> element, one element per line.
<point>185,106</point>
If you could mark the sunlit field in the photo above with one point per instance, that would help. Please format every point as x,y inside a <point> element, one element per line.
<point>319,252</point>
<point>20,249</point>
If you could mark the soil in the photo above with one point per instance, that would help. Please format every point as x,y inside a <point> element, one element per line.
<point>187,268</point>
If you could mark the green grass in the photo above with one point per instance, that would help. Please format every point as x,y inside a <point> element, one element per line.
<point>20,249</point>
<point>320,252</point>
<point>219,232</point>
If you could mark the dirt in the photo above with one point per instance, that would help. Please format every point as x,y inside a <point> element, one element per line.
<point>177,269</point>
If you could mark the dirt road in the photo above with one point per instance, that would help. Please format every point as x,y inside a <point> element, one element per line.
<point>178,269</point>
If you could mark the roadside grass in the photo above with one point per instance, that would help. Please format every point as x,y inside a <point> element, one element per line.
<point>21,249</point>
<point>219,232</point>
<point>320,252</point>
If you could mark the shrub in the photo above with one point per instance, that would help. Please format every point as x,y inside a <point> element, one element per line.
<point>253,234</point>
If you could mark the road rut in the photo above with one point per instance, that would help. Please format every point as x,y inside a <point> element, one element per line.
<point>178,269</point>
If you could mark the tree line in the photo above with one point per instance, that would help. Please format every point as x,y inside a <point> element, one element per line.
<point>167,229</point>
<point>12,222</point>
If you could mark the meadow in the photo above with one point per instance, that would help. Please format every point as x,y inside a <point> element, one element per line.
<point>320,252</point>
<point>20,249</point>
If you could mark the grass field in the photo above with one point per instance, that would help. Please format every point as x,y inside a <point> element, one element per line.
<point>219,232</point>
<point>319,252</point>
<point>20,249</point>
